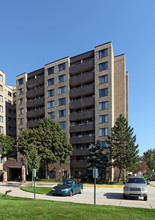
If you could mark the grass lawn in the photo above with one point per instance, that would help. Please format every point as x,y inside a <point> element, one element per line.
<point>40,190</point>
<point>20,208</point>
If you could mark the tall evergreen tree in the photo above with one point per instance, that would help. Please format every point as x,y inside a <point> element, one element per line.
<point>97,159</point>
<point>122,146</point>
<point>33,157</point>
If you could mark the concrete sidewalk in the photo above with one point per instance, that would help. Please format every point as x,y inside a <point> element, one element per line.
<point>104,196</point>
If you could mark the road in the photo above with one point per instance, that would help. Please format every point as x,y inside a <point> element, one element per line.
<point>104,196</point>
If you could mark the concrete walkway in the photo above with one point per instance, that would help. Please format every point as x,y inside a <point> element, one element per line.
<point>104,196</point>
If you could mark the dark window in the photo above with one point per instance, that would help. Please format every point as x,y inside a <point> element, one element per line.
<point>51,70</point>
<point>51,115</point>
<point>62,89</point>
<point>62,78</point>
<point>20,91</point>
<point>103,105</point>
<point>20,81</point>
<point>103,132</point>
<point>62,124</point>
<point>9,93</point>
<point>103,92</point>
<point>62,113</point>
<point>62,67</point>
<point>103,53</point>
<point>103,79</point>
<point>50,92</point>
<point>62,101</point>
<point>50,81</point>
<point>103,118</point>
<point>103,66</point>
<point>51,104</point>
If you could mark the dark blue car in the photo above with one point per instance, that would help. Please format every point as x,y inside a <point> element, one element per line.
<point>68,187</point>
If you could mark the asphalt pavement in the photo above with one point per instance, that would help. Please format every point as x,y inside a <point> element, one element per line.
<point>105,195</point>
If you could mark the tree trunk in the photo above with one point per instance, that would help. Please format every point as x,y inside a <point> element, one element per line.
<point>46,169</point>
<point>60,171</point>
<point>120,173</point>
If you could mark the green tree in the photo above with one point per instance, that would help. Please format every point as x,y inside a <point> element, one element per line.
<point>6,143</point>
<point>50,141</point>
<point>97,159</point>
<point>149,158</point>
<point>33,159</point>
<point>122,146</point>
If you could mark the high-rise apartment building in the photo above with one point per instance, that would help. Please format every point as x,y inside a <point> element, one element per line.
<point>7,112</point>
<point>84,93</point>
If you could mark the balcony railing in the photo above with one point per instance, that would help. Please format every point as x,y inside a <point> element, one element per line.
<point>35,102</point>
<point>75,116</point>
<point>85,102</point>
<point>83,78</point>
<point>82,67</point>
<point>83,90</point>
<point>83,139</point>
<point>35,113</point>
<point>83,127</point>
<point>35,82</point>
<point>38,91</point>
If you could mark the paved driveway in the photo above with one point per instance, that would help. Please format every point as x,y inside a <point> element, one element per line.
<point>104,196</point>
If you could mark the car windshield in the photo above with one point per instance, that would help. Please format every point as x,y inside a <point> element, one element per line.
<point>67,182</point>
<point>135,180</point>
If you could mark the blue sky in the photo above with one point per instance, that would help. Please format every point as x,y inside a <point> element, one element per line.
<point>36,32</point>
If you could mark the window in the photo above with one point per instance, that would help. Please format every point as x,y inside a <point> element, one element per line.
<point>21,111</point>
<point>20,91</point>
<point>1,108</point>
<point>20,81</point>
<point>79,135</point>
<point>50,81</point>
<point>103,132</point>
<point>103,53</point>
<point>21,120</point>
<point>51,104</point>
<point>9,93</point>
<point>103,118</point>
<point>51,70</point>
<point>51,115</point>
<point>62,124</point>
<point>50,92</point>
<point>20,101</point>
<point>1,119</point>
<point>1,88</point>
<point>103,92</point>
<point>62,90</point>
<point>62,113</point>
<point>62,101</point>
<point>1,78</point>
<point>104,144</point>
<point>62,78</point>
<point>62,67</point>
<point>103,79</point>
<point>1,98</point>
<point>103,105</point>
<point>103,66</point>
<point>1,129</point>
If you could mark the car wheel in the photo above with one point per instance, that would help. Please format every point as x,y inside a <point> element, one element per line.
<point>125,197</point>
<point>71,193</point>
<point>145,198</point>
<point>81,190</point>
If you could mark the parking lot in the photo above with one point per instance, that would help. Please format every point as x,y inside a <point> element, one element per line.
<point>104,196</point>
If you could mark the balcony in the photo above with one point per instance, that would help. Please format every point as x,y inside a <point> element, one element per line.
<point>35,102</point>
<point>35,82</point>
<point>82,140</point>
<point>38,91</point>
<point>78,164</point>
<point>75,116</point>
<point>35,113</point>
<point>83,78</point>
<point>82,67</point>
<point>82,103</point>
<point>33,123</point>
<point>85,127</point>
<point>82,91</point>
<point>79,152</point>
